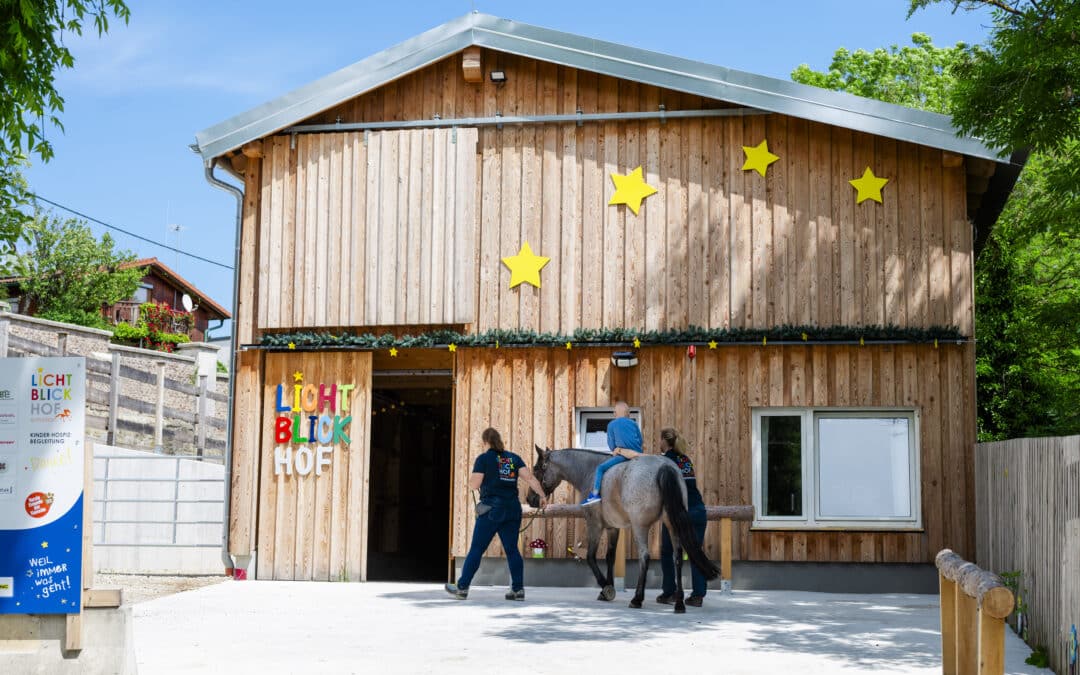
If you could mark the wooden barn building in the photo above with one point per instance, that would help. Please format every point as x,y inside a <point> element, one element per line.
<point>460,232</point>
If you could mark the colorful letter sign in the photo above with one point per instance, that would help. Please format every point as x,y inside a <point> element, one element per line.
<point>310,420</point>
<point>42,407</point>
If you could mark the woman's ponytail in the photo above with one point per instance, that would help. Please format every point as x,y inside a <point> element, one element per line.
<point>493,439</point>
<point>674,441</point>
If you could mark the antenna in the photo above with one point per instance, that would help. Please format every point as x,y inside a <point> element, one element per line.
<point>177,228</point>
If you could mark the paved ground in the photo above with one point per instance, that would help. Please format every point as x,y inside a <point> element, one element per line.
<point>281,627</point>
<point>141,587</point>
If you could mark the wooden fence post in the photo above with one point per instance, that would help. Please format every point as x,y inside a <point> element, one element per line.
<point>5,328</point>
<point>201,416</point>
<point>159,413</point>
<point>991,645</point>
<point>948,624</point>
<point>725,552</point>
<point>114,397</point>
<point>967,633</point>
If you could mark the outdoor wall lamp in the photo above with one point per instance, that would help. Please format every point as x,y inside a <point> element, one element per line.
<point>624,359</point>
<point>498,76</point>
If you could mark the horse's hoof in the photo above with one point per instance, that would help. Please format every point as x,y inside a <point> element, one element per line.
<point>680,608</point>
<point>635,603</point>
<point>607,594</point>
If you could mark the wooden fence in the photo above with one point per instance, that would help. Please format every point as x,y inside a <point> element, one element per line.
<point>1027,494</point>
<point>136,398</point>
<point>974,604</point>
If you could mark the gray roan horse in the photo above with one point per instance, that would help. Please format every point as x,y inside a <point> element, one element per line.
<point>637,494</point>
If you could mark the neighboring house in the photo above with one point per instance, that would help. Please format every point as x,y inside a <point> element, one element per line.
<point>391,196</point>
<point>159,284</point>
<point>162,284</point>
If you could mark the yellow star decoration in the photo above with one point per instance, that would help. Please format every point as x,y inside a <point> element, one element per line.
<point>630,189</point>
<point>393,351</point>
<point>452,347</point>
<point>525,266</point>
<point>712,344</point>
<point>637,343</point>
<point>568,345</point>
<point>298,376</point>
<point>44,544</point>
<point>758,157</point>
<point>292,345</point>
<point>869,186</point>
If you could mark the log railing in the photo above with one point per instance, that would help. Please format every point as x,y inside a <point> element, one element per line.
<point>974,604</point>
<point>725,514</point>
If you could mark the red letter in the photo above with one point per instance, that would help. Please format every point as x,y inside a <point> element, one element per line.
<point>282,430</point>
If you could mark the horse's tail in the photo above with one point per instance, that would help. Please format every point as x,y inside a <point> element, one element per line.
<point>669,482</point>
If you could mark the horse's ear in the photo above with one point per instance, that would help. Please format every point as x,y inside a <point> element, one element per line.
<point>539,453</point>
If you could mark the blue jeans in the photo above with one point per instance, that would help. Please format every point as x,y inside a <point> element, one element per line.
<point>617,459</point>
<point>483,532</point>
<point>667,556</point>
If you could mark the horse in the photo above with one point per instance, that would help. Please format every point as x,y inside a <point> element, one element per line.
<point>637,493</point>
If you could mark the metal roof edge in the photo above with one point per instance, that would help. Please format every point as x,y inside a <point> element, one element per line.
<point>662,70</point>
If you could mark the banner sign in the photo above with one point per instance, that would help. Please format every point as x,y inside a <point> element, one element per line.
<point>42,423</point>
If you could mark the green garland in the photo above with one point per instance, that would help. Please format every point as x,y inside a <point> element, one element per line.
<point>613,337</point>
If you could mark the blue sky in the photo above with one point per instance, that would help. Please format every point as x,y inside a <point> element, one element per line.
<point>136,98</point>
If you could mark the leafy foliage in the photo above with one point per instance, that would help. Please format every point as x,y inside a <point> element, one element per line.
<point>159,327</point>
<point>1023,90</point>
<point>125,332</point>
<point>32,50</point>
<point>918,76</point>
<point>619,337</point>
<point>1027,279</point>
<point>68,274</point>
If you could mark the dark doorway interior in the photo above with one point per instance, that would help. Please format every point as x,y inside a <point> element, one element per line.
<point>409,507</point>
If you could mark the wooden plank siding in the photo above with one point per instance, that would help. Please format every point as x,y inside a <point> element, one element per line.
<point>310,527</point>
<point>710,399</point>
<point>715,246</point>
<point>348,223</point>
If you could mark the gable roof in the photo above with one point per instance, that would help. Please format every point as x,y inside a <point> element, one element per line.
<point>607,58</point>
<point>165,272</point>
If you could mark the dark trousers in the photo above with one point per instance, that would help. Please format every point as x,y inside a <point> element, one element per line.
<point>483,532</point>
<point>667,556</point>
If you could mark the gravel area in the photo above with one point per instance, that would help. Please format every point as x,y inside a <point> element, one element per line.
<point>141,587</point>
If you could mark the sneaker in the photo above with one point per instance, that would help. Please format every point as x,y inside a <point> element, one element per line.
<point>458,593</point>
<point>694,601</point>
<point>665,599</point>
<point>515,595</point>
<point>593,498</point>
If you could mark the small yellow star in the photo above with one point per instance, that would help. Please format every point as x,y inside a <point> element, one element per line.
<point>568,345</point>
<point>712,344</point>
<point>637,343</point>
<point>292,345</point>
<point>44,544</point>
<point>869,186</point>
<point>630,189</point>
<point>298,376</point>
<point>758,157</point>
<point>804,337</point>
<point>393,351</point>
<point>525,266</point>
<point>452,347</point>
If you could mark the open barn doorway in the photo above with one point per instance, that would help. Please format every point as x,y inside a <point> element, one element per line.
<point>411,450</point>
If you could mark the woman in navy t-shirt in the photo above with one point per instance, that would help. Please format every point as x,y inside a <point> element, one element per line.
<point>496,474</point>
<point>674,448</point>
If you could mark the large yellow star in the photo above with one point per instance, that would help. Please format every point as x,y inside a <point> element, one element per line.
<point>630,189</point>
<point>869,186</point>
<point>525,266</point>
<point>298,376</point>
<point>758,157</point>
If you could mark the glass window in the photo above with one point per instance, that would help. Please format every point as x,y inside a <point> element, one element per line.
<point>830,468</point>
<point>592,426</point>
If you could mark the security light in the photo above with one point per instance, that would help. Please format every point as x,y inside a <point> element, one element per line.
<point>498,76</point>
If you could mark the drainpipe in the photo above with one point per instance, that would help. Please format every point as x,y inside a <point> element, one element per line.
<point>220,323</point>
<point>239,194</point>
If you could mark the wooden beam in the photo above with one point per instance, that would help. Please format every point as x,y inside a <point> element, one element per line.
<point>725,549</point>
<point>73,633</point>
<point>991,645</point>
<point>981,167</point>
<point>986,588</point>
<point>254,149</point>
<point>470,65</point>
<point>102,597</point>
<point>948,625</point>
<point>239,163</point>
<point>951,160</point>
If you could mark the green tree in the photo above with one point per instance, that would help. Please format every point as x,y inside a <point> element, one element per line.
<point>32,50</point>
<point>1023,89</point>
<point>69,274</point>
<point>1027,278</point>
<point>918,76</point>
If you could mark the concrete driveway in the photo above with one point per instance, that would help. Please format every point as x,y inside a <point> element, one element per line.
<point>283,627</point>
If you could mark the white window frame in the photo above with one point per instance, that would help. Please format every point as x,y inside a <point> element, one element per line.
<point>582,414</point>
<point>811,503</point>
